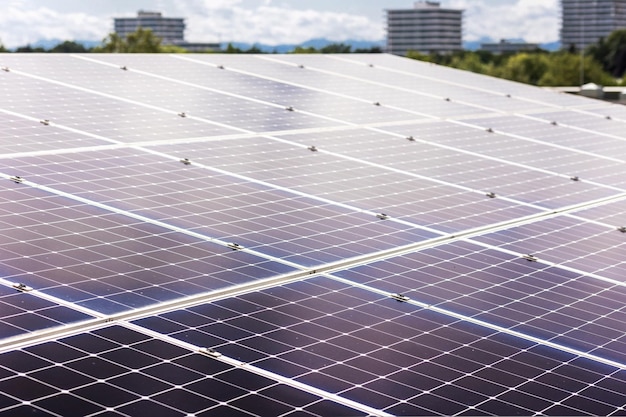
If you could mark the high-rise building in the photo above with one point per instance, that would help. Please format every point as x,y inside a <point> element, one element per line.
<point>584,22</point>
<point>171,30</point>
<point>426,28</point>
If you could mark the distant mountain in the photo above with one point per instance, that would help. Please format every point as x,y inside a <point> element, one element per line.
<point>475,45</point>
<point>282,48</point>
<point>551,46</point>
<point>51,43</point>
<point>315,43</point>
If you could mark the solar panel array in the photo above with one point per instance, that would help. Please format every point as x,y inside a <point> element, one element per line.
<point>199,235</point>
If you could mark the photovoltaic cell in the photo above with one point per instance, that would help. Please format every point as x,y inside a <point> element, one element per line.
<point>469,80</point>
<point>172,96</point>
<point>267,90</point>
<point>128,373</point>
<point>611,214</point>
<point>582,245</point>
<point>108,262</point>
<point>519,183</point>
<point>111,120</point>
<point>360,234</point>
<point>388,355</point>
<point>21,135</point>
<point>505,290</point>
<point>218,205</point>
<point>374,187</point>
<point>21,313</point>
<point>586,122</point>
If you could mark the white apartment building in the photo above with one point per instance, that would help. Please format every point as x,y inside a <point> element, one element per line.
<point>170,29</point>
<point>584,22</point>
<point>426,28</point>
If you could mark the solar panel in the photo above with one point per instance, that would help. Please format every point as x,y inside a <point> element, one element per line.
<point>199,235</point>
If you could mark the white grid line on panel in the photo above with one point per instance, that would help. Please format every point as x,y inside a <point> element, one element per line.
<point>271,137</point>
<point>451,120</point>
<point>500,329</point>
<point>359,161</point>
<point>471,87</point>
<point>259,371</point>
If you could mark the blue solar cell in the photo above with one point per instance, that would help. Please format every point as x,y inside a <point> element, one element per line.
<point>405,345</point>
<point>22,313</point>
<point>472,246</point>
<point>275,222</point>
<point>570,242</point>
<point>123,367</point>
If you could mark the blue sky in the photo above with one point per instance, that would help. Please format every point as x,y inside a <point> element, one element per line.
<point>268,21</point>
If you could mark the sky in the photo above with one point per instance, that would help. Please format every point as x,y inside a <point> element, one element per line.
<point>269,22</point>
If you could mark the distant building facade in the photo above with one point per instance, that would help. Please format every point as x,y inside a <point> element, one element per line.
<point>426,28</point>
<point>171,30</point>
<point>508,47</point>
<point>584,22</point>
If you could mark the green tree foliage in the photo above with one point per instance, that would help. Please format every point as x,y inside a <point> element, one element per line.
<point>112,43</point>
<point>29,48</point>
<point>470,62</point>
<point>336,48</point>
<point>231,49</point>
<point>424,57</point>
<point>564,68</point>
<point>172,49</point>
<point>525,67</point>
<point>372,50</point>
<point>2,48</point>
<point>537,68</point>
<point>611,53</point>
<point>69,47</point>
<point>140,41</point>
<point>303,50</point>
<point>333,48</point>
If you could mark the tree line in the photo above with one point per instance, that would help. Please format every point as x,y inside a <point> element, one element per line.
<point>603,63</point>
<point>144,41</point>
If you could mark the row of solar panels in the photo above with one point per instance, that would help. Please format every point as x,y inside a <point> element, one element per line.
<point>461,234</point>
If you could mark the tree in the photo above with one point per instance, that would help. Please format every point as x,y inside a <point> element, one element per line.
<point>143,41</point>
<point>172,49</point>
<point>231,49</point>
<point>533,67</point>
<point>69,47</point>
<point>303,50</point>
<point>140,41</point>
<point>470,61</point>
<point>336,48</point>
<point>564,69</point>
<point>2,48</point>
<point>254,50</point>
<point>611,53</point>
<point>422,57</point>
<point>28,48</point>
<point>527,68</point>
<point>372,50</point>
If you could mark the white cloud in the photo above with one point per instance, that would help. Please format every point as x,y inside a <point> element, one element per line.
<point>270,24</point>
<point>269,21</point>
<point>533,20</point>
<point>21,25</point>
